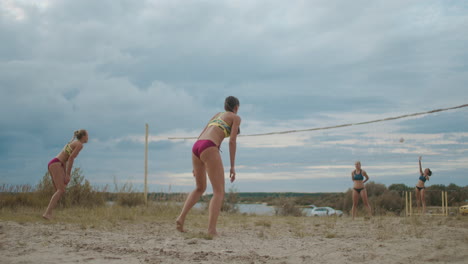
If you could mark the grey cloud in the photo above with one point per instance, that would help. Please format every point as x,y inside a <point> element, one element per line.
<point>112,66</point>
<point>454,121</point>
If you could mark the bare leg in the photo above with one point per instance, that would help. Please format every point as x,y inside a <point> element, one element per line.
<point>423,201</point>
<point>355,203</point>
<point>366,202</point>
<point>215,169</point>
<point>200,179</point>
<point>418,199</point>
<point>58,176</point>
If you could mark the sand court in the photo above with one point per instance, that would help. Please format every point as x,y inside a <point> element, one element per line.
<point>244,239</point>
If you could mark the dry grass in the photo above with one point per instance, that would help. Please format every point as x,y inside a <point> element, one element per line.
<point>199,235</point>
<point>265,223</point>
<point>150,232</point>
<point>96,217</point>
<point>166,211</point>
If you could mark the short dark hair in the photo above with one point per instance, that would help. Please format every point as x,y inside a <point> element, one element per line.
<point>429,172</point>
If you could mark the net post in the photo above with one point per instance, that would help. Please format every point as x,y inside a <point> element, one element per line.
<point>446,204</point>
<point>410,204</point>
<point>406,204</point>
<point>146,165</point>
<point>443,203</point>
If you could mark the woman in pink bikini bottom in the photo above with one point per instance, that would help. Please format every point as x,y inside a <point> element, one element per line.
<point>60,168</point>
<point>206,159</point>
<point>201,145</point>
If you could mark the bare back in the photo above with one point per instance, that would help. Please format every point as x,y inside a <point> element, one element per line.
<point>216,134</point>
<point>63,156</point>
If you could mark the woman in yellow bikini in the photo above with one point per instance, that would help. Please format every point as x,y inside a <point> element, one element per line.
<point>206,159</point>
<point>60,168</point>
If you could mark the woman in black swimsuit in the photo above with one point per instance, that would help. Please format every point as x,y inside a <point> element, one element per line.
<point>357,176</point>
<point>420,187</point>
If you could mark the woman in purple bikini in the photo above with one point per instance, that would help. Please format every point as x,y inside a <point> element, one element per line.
<point>60,168</point>
<point>206,159</point>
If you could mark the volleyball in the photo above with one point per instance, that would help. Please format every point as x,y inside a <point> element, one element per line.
<point>402,140</point>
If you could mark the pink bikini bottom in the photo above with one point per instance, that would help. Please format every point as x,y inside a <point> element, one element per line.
<point>201,145</point>
<point>53,161</point>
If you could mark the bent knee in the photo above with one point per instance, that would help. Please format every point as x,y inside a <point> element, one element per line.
<point>219,193</point>
<point>200,188</point>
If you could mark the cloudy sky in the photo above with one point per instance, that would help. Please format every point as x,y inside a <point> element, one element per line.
<point>112,66</point>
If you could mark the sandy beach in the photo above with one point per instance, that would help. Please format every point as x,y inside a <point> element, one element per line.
<point>244,239</point>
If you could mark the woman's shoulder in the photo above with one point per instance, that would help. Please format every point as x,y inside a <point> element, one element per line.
<point>231,116</point>
<point>75,144</point>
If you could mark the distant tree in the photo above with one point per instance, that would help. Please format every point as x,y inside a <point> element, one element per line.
<point>434,194</point>
<point>400,188</point>
<point>437,187</point>
<point>454,187</point>
<point>390,201</point>
<point>375,189</point>
<point>347,201</point>
<point>455,194</point>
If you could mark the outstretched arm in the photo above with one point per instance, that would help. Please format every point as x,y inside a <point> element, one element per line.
<point>420,167</point>
<point>233,146</point>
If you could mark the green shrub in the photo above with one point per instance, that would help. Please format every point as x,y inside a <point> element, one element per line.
<point>12,196</point>
<point>126,195</point>
<point>78,192</point>
<point>230,202</point>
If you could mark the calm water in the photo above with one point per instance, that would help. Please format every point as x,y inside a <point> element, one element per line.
<point>258,209</point>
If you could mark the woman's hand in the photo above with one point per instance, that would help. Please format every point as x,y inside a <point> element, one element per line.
<point>420,158</point>
<point>232,174</point>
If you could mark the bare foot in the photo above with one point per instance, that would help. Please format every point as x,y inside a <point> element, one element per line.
<point>180,226</point>
<point>46,217</point>
<point>213,234</point>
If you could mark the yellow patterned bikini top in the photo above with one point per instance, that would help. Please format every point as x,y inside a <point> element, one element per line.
<point>217,121</point>
<point>68,149</point>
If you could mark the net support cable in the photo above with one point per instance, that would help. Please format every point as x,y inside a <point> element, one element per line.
<point>343,125</point>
